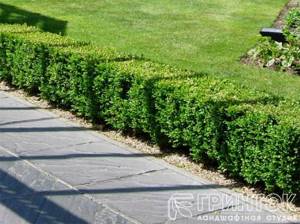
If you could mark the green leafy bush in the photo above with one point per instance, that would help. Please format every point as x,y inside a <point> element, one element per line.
<point>248,134</point>
<point>292,27</point>
<point>280,56</point>
<point>266,143</point>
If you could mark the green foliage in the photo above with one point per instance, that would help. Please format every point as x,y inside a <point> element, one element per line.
<point>292,27</point>
<point>248,134</point>
<point>263,147</point>
<point>281,56</point>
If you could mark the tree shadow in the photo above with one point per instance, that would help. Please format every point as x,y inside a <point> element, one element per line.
<point>26,121</point>
<point>42,129</point>
<point>32,206</point>
<point>37,206</point>
<point>13,15</point>
<point>78,155</point>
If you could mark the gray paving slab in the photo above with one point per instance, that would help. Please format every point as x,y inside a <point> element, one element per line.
<point>34,130</point>
<point>52,171</point>
<point>146,197</point>
<point>29,195</point>
<point>88,163</point>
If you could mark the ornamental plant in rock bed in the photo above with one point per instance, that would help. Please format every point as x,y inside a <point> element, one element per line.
<point>280,56</point>
<point>248,134</point>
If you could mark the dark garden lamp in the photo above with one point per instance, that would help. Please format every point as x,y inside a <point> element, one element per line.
<point>275,34</point>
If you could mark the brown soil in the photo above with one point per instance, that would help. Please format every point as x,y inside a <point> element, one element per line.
<point>279,22</point>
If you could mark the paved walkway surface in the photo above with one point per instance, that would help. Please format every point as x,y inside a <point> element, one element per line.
<point>52,171</point>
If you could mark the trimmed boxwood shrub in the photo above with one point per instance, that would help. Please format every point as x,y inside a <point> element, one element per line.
<point>69,79</point>
<point>248,134</point>
<point>263,146</point>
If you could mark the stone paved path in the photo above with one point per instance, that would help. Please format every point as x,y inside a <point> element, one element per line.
<point>52,171</point>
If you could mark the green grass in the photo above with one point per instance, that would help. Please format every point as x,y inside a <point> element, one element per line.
<point>206,36</point>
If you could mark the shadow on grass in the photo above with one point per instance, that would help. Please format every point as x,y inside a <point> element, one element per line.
<point>13,15</point>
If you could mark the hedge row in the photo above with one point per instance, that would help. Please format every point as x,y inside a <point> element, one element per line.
<point>250,135</point>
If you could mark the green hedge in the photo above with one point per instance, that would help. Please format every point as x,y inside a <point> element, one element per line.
<point>250,135</point>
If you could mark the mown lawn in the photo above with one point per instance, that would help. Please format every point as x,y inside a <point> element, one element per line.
<point>206,36</point>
